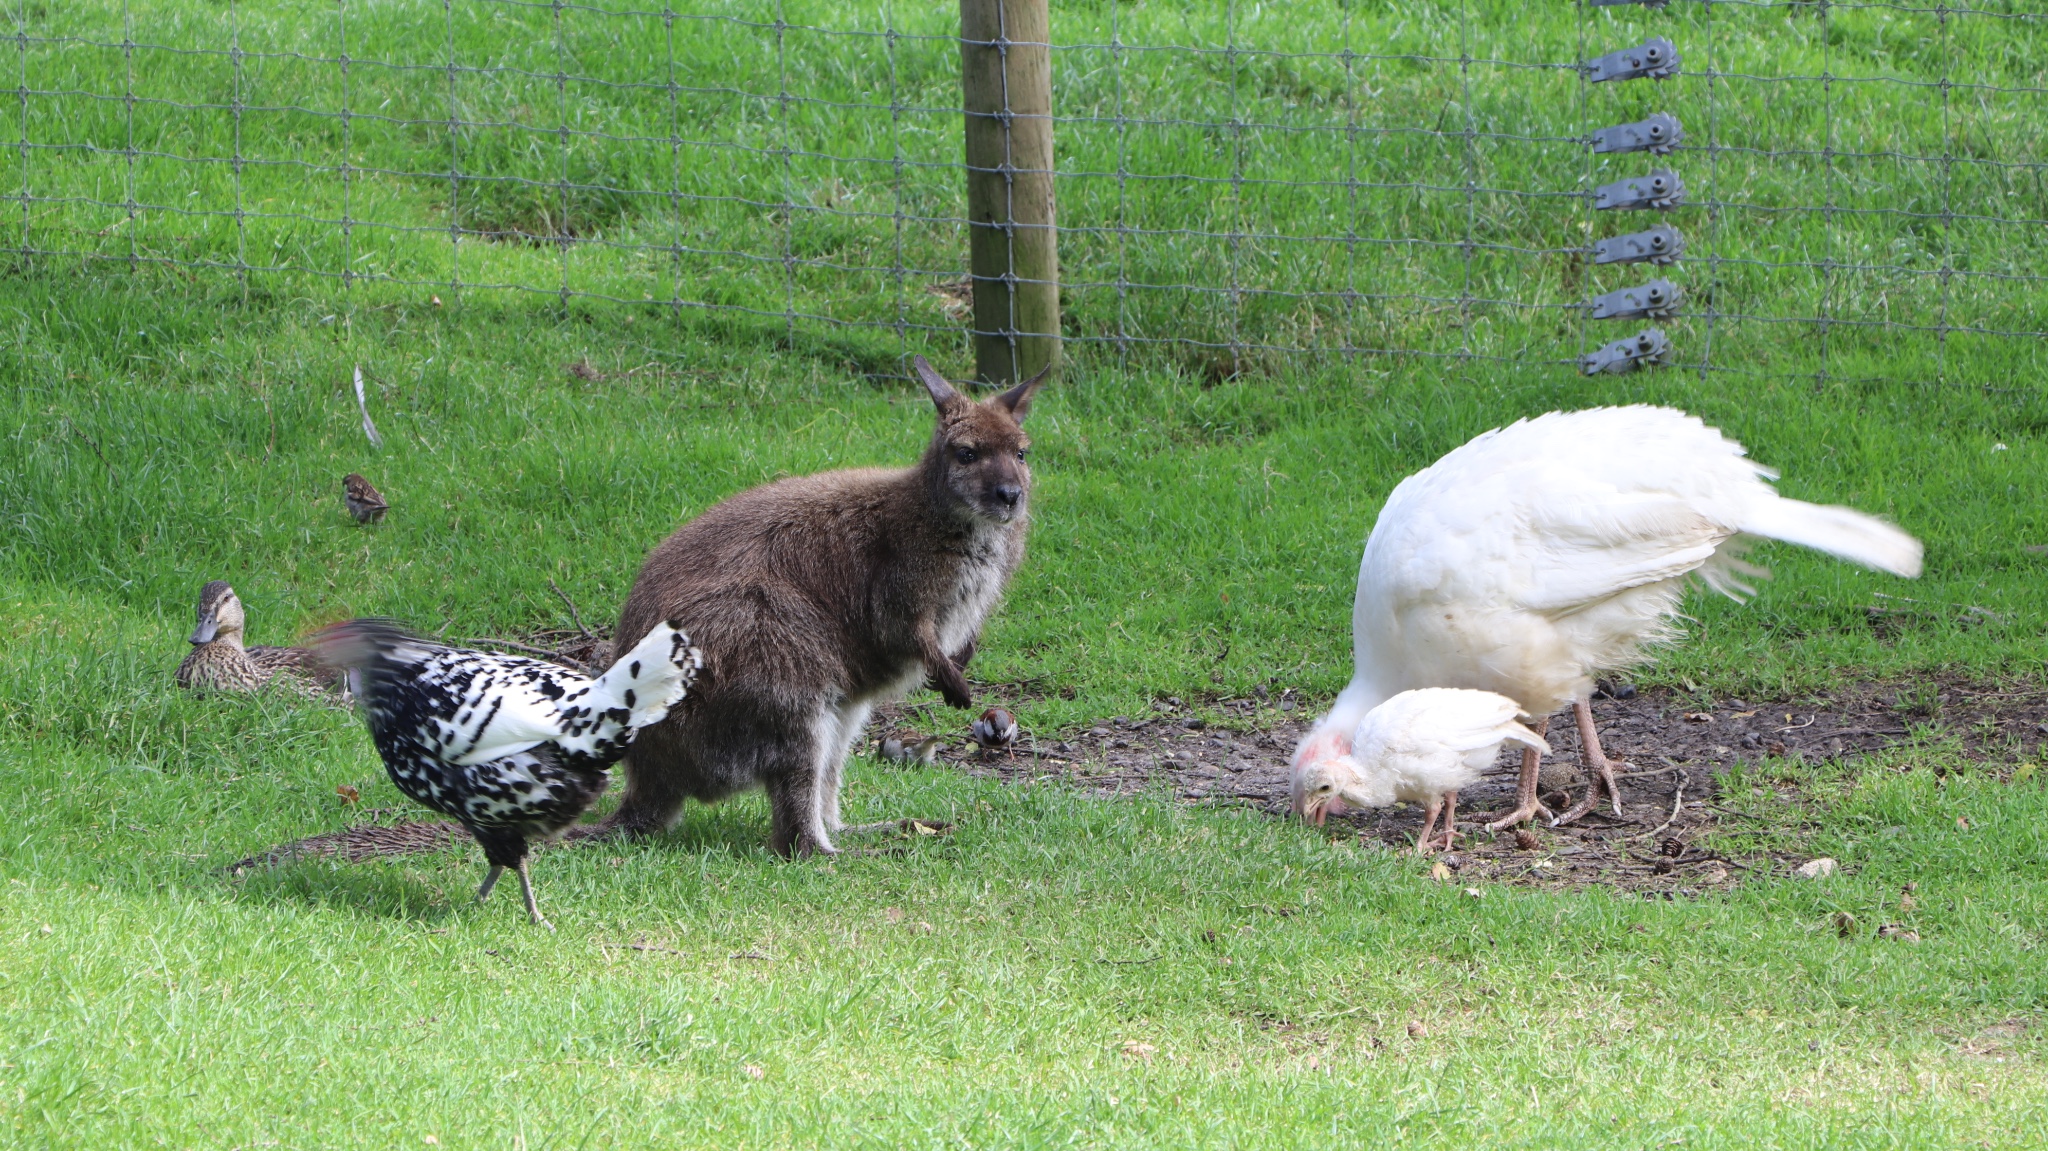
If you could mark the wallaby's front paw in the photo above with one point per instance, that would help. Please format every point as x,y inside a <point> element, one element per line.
<point>957,698</point>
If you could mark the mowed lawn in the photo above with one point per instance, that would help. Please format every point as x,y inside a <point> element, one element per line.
<point>1061,970</point>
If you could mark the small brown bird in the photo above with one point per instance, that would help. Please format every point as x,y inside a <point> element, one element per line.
<point>924,751</point>
<point>364,501</point>
<point>996,729</point>
<point>219,662</point>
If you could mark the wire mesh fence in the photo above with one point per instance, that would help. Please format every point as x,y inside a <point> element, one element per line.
<point>1239,185</point>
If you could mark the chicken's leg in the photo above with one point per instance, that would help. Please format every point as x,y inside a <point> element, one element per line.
<point>526,889</point>
<point>490,881</point>
<point>1527,805</point>
<point>1601,767</point>
<point>1422,844</point>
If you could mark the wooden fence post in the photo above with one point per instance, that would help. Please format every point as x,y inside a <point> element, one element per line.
<point>1013,249</point>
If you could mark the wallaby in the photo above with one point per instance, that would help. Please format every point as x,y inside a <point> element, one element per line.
<point>817,597</point>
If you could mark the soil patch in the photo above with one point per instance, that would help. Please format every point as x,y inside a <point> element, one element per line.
<point>1676,749</point>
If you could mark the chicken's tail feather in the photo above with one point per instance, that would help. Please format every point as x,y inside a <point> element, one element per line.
<point>364,648</point>
<point>651,678</point>
<point>1838,531</point>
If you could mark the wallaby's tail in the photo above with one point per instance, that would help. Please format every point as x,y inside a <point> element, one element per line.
<point>651,678</point>
<point>1838,531</point>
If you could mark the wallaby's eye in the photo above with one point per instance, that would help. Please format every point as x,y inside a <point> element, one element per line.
<point>964,455</point>
<point>1021,452</point>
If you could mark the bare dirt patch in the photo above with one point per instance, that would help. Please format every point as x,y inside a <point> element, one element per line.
<point>1677,748</point>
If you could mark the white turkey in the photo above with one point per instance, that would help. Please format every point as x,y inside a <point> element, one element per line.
<point>1542,554</point>
<point>514,748</point>
<point>1422,746</point>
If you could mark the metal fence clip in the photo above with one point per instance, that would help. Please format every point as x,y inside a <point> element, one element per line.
<point>1649,346</point>
<point>1656,299</point>
<point>1660,189</point>
<point>1655,58</point>
<point>1662,244</point>
<point>1656,135</point>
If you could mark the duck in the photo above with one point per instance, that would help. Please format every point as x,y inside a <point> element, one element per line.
<point>218,662</point>
<point>1544,554</point>
<point>1420,746</point>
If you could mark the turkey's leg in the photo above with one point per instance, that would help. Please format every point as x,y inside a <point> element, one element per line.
<point>1450,821</point>
<point>526,889</point>
<point>1527,806</point>
<point>490,881</point>
<point>1422,844</point>
<point>1596,759</point>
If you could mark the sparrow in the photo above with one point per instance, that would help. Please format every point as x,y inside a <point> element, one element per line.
<point>996,729</point>
<point>924,751</point>
<point>364,502</point>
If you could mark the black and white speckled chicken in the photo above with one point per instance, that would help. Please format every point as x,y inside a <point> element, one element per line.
<point>516,749</point>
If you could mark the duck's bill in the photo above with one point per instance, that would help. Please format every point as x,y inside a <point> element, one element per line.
<point>205,632</point>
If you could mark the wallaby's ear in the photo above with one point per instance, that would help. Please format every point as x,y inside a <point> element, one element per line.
<point>1017,401</point>
<point>943,395</point>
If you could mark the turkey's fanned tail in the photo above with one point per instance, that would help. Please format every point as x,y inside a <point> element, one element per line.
<point>1838,531</point>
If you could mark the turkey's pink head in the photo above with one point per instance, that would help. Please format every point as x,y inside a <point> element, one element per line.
<point>1321,764</point>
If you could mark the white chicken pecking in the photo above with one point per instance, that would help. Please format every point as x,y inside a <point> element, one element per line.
<point>1540,555</point>
<point>1421,746</point>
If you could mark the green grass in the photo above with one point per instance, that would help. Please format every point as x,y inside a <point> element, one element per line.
<point>1258,186</point>
<point>1191,537</point>
<point>161,440</point>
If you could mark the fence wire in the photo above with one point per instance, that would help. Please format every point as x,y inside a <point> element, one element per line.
<point>1239,186</point>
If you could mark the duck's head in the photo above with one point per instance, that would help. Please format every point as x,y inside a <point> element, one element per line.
<point>220,614</point>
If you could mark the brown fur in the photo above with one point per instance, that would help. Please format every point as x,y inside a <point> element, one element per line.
<point>817,597</point>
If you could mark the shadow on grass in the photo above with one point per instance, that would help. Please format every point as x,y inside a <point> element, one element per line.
<point>418,885</point>
<point>383,889</point>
